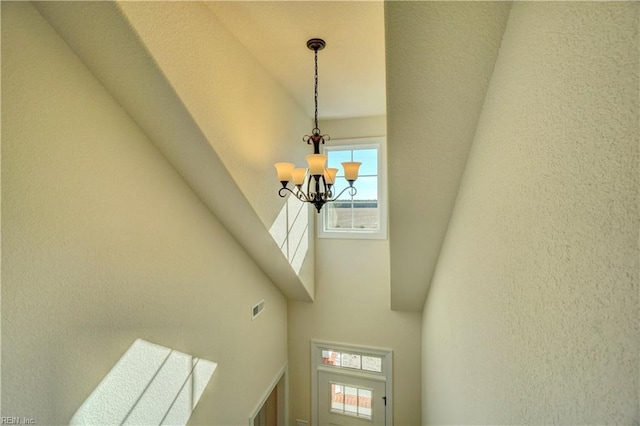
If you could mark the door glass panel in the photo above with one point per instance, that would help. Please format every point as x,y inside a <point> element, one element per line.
<point>337,398</point>
<point>364,402</point>
<point>351,400</point>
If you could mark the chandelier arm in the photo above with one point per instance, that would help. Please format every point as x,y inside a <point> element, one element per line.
<point>303,197</point>
<point>352,192</point>
<point>282,194</point>
<point>298,194</point>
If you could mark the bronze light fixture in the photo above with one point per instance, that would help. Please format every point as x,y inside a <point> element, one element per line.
<point>319,179</point>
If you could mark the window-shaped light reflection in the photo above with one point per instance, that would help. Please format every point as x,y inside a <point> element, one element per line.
<point>150,384</point>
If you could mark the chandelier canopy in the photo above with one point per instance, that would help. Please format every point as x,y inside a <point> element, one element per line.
<point>319,179</point>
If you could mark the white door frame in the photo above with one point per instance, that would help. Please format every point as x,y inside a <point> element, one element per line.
<point>387,372</point>
<point>281,378</point>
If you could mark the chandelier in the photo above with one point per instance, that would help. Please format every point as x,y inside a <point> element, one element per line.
<point>319,179</point>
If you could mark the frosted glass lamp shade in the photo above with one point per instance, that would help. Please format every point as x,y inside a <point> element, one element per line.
<point>351,170</point>
<point>316,163</point>
<point>298,175</point>
<point>284,171</point>
<point>330,175</point>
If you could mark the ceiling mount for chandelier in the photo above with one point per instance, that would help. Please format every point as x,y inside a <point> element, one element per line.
<point>319,179</point>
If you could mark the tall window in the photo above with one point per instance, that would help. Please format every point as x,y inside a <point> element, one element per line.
<point>362,215</point>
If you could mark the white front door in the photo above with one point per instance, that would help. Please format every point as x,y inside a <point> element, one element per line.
<point>350,400</point>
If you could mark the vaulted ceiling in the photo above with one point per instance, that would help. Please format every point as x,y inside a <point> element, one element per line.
<point>426,65</point>
<point>351,67</point>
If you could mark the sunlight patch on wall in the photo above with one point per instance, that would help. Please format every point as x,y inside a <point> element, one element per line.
<point>150,385</point>
<point>290,231</point>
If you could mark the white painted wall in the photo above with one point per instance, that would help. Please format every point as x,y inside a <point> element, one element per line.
<point>103,243</point>
<point>532,316</point>
<point>352,306</point>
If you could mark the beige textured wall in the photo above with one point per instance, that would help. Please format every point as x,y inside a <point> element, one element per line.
<point>247,116</point>
<point>358,127</point>
<point>440,55</point>
<point>352,306</point>
<point>238,105</point>
<point>103,242</point>
<point>190,85</point>
<point>532,317</point>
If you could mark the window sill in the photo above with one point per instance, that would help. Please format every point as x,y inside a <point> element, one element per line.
<point>353,235</point>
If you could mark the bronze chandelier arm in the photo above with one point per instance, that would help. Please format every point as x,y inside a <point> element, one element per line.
<point>298,194</point>
<point>352,192</point>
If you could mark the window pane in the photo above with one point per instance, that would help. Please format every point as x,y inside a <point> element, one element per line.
<point>351,361</point>
<point>372,363</point>
<point>350,400</point>
<point>331,219</point>
<point>365,205</point>
<point>364,403</point>
<point>369,160</point>
<point>336,157</point>
<point>337,398</point>
<point>365,216</point>
<point>367,188</point>
<point>339,186</point>
<point>338,215</point>
<point>331,358</point>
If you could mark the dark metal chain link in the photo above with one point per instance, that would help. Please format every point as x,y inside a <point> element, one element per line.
<point>315,87</point>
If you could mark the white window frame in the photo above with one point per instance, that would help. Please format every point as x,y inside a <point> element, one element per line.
<point>367,234</point>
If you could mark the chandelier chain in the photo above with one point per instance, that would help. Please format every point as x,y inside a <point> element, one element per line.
<point>315,87</point>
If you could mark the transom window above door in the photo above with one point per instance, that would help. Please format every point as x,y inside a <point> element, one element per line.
<point>369,363</point>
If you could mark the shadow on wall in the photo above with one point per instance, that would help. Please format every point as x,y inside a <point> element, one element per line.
<point>150,384</point>
<point>290,231</point>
